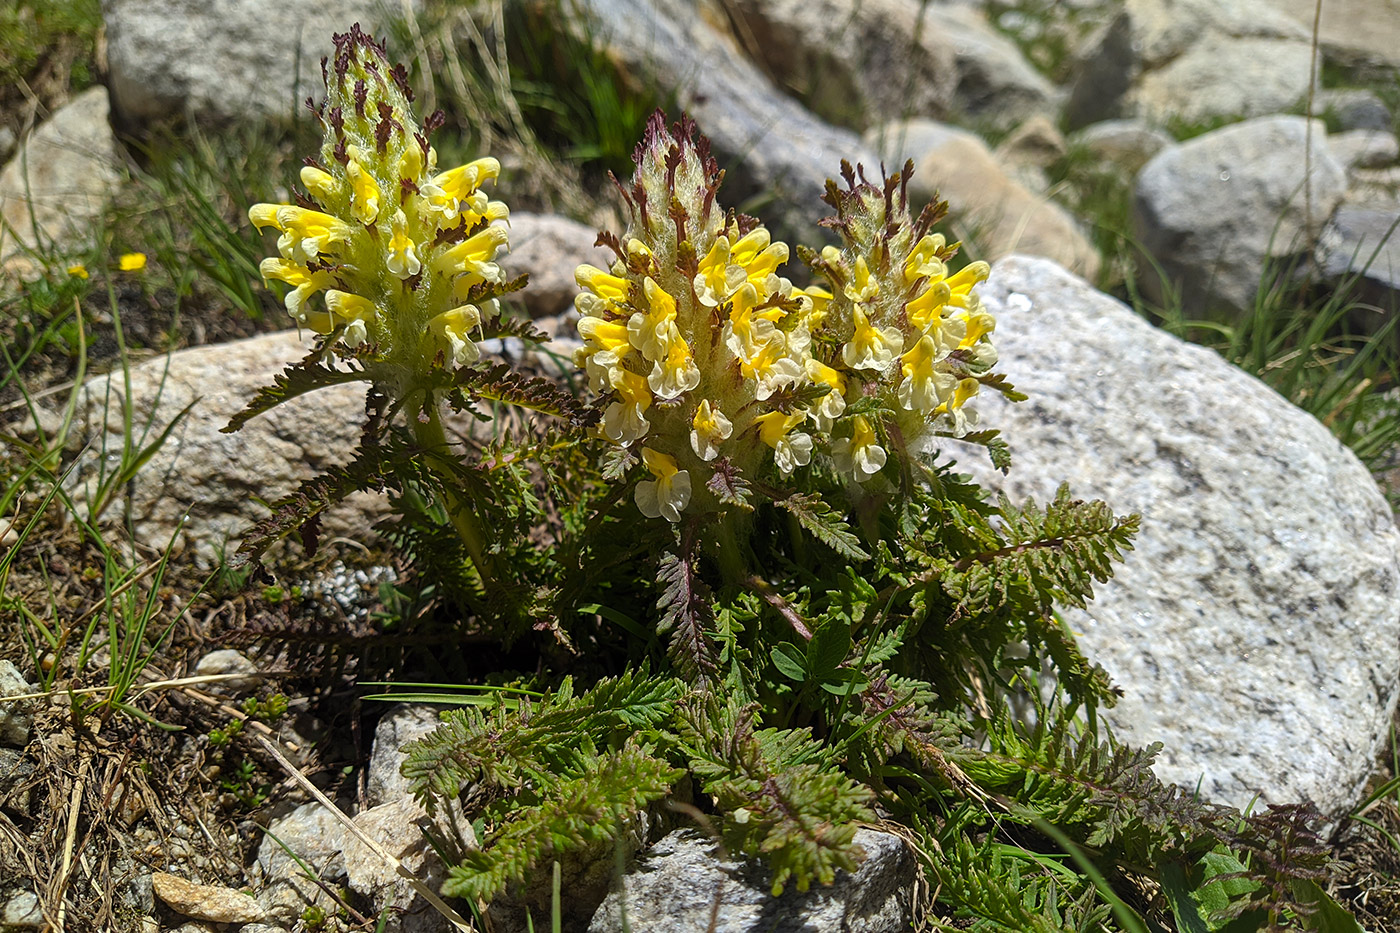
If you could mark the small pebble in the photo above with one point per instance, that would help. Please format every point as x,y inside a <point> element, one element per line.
<point>206,901</point>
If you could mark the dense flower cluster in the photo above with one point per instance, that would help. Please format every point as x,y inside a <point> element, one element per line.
<point>402,255</point>
<point>700,343</point>
<point>899,327</point>
<point>713,362</point>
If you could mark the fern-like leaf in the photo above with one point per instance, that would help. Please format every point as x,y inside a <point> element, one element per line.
<point>499,382</point>
<point>307,375</point>
<point>823,522</point>
<point>687,613</point>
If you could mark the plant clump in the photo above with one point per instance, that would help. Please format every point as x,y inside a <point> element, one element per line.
<point>745,576</point>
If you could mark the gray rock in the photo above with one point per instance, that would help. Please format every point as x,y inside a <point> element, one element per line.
<point>550,248</point>
<point>54,190</point>
<point>1030,150</point>
<point>1361,36</point>
<point>852,62</point>
<point>17,718</point>
<point>996,85</point>
<point>230,663</point>
<point>1213,210</point>
<point>676,884</point>
<point>22,910</point>
<point>769,144</point>
<point>1255,629</point>
<point>1361,245</point>
<point>1354,109</point>
<point>991,213</point>
<point>404,723</point>
<point>1128,144</point>
<point>7,141</point>
<point>1364,148</point>
<point>219,60</point>
<point>16,771</point>
<point>1191,60</point>
<point>202,486</point>
<point>318,839</point>
<point>397,826</point>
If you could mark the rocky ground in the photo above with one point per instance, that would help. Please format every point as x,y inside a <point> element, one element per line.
<point>1119,161</point>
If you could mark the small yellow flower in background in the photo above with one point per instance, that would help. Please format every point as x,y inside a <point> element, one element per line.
<point>130,262</point>
<point>78,271</point>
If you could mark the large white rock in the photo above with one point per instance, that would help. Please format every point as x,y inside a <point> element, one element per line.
<point>53,192</point>
<point>1192,60</point>
<point>1213,210</point>
<point>219,60</point>
<point>1255,629</point>
<point>680,884</point>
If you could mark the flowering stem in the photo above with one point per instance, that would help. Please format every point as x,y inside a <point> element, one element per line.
<point>432,438</point>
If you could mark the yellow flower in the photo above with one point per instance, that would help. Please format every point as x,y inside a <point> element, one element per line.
<point>605,346</point>
<point>654,331</point>
<point>305,283</point>
<point>624,421</point>
<point>354,312</point>
<point>871,347</point>
<point>833,403</point>
<point>453,328</point>
<point>675,374</point>
<point>667,495</point>
<point>859,455</point>
<point>132,262</point>
<point>364,200</point>
<point>78,271</point>
<point>790,451</point>
<point>708,429</point>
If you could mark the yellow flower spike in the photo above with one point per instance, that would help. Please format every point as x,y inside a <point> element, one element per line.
<point>78,271</point>
<point>708,429</point>
<point>676,374</point>
<point>454,328</point>
<point>654,331</point>
<point>624,421</point>
<point>790,450</point>
<point>402,259</point>
<point>859,456</point>
<point>354,312</point>
<point>364,198</point>
<point>132,262</point>
<point>321,184</point>
<point>667,495</point>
